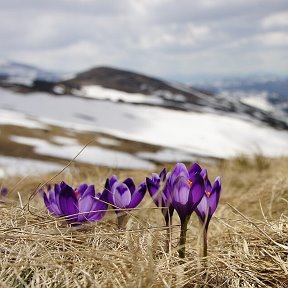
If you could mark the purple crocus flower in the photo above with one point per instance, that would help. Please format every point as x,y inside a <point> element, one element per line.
<point>207,206</point>
<point>210,200</point>
<point>158,189</point>
<point>123,195</point>
<point>76,205</point>
<point>187,189</point>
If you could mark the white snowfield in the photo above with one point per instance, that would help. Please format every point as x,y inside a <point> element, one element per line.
<point>204,133</point>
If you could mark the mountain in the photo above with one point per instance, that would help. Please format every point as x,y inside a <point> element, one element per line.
<point>13,73</point>
<point>112,84</point>
<point>268,92</point>
<point>135,120</point>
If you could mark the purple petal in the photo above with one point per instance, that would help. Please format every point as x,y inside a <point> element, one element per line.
<point>107,184</point>
<point>113,179</point>
<point>98,210</point>
<point>152,186</point>
<point>163,174</point>
<point>193,169</point>
<point>202,208</point>
<point>197,191</point>
<point>90,190</point>
<point>109,196</point>
<point>138,195</point>
<point>85,205</point>
<point>179,170</point>
<point>181,191</point>
<point>130,184</point>
<point>121,195</point>
<point>81,189</point>
<point>68,201</point>
<point>204,174</point>
<point>52,206</point>
<point>213,200</point>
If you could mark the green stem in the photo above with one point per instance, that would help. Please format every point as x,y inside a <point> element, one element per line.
<point>183,232</point>
<point>120,221</point>
<point>205,246</point>
<point>168,221</point>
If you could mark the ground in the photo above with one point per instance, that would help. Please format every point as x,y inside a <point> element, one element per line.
<point>248,236</point>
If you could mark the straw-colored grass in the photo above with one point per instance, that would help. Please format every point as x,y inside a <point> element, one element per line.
<point>248,237</point>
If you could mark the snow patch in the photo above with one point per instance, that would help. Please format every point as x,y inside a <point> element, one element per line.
<point>101,93</point>
<point>91,154</point>
<point>10,166</point>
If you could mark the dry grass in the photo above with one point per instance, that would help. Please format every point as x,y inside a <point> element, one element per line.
<point>248,237</point>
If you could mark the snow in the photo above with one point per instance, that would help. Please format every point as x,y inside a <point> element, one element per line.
<point>91,154</point>
<point>101,93</point>
<point>10,166</point>
<point>64,140</point>
<point>259,101</point>
<point>8,117</point>
<point>205,134</point>
<point>253,98</point>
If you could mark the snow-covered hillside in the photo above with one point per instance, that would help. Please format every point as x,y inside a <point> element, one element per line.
<point>204,134</point>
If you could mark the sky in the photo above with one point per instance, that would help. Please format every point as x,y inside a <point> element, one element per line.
<point>181,40</point>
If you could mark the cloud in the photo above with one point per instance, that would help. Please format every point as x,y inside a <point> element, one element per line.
<point>276,20</point>
<point>168,38</point>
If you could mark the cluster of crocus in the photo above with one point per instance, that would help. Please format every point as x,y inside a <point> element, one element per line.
<point>184,190</point>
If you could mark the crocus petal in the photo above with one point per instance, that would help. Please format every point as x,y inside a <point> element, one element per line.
<point>181,191</point>
<point>68,202</point>
<point>193,169</point>
<point>138,195</point>
<point>204,174</point>
<point>163,174</point>
<point>213,200</point>
<point>130,184</point>
<point>90,190</point>
<point>121,195</point>
<point>197,191</point>
<point>152,187</point>
<point>202,208</point>
<point>112,181</point>
<point>85,205</point>
<point>98,210</point>
<point>52,206</point>
<point>179,170</point>
<point>180,197</point>
<point>81,189</point>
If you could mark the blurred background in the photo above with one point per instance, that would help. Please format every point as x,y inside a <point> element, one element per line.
<point>150,82</point>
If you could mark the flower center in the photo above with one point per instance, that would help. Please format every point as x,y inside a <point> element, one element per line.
<point>189,182</point>
<point>76,193</point>
<point>208,193</point>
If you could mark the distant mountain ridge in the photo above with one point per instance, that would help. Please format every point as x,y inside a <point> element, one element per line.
<point>119,85</point>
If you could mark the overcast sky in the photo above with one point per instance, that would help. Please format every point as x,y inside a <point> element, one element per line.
<point>174,39</point>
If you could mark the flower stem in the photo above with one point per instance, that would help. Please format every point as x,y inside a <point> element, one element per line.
<point>204,244</point>
<point>168,221</point>
<point>181,249</point>
<point>120,221</point>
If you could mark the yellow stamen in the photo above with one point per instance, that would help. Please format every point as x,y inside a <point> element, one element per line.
<point>208,194</point>
<point>189,182</point>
